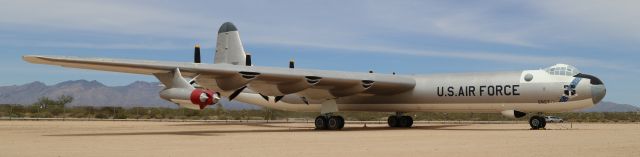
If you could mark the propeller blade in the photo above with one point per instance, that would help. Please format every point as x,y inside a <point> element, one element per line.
<point>305,100</point>
<point>193,80</point>
<point>236,93</point>
<point>278,98</point>
<point>265,97</point>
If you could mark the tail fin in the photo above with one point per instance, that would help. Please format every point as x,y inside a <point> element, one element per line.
<point>229,48</point>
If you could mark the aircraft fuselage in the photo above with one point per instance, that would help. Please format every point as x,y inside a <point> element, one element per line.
<point>466,92</point>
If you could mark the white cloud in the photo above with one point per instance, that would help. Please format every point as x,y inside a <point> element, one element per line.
<point>350,28</point>
<point>100,16</point>
<point>477,22</point>
<point>468,29</point>
<point>124,46</point>
<point>586,18</point>
<point>533,26</point>
<point>477,55</point>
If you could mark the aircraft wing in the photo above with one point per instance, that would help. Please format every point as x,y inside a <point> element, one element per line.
<point>271,81</point>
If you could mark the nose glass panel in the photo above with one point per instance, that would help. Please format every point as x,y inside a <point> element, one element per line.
<point>598,92</point>
<point>594,80</point>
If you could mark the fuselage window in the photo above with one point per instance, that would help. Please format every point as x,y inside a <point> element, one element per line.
<point>562,69</point>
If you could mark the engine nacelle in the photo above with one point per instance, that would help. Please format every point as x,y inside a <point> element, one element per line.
<point>196,99</point>
<point>513,113</point>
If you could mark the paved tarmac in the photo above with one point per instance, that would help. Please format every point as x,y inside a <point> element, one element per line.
<point>193,139</point>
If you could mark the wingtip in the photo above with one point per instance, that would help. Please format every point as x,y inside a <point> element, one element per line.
<point>31,58</point>
<point>38,59</point>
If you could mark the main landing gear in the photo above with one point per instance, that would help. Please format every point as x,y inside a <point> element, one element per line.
<point>400,121</point>
<point>328,122</point>
<point>537,122</point>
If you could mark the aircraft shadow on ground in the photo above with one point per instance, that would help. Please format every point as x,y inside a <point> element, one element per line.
<point>450,127</point>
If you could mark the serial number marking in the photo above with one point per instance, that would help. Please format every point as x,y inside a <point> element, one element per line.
<point>545,101</point>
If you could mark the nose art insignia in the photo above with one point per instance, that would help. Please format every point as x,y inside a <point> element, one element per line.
<point>570,90</point>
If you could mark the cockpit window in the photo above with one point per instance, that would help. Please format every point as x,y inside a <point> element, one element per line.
<point>562,69</point>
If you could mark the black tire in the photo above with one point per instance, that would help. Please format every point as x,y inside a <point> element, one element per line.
<point>407,121</point>
<point>536,122</point>
<point>334,123</point>
<point>544,122</point>
<point>321,123</point>
<point>341,124</point>
<point>393,121</point>
<point>402,122</point>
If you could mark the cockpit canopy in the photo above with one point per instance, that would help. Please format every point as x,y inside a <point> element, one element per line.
<point>562,69</point>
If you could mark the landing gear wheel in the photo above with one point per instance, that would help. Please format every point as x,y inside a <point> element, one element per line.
<point>537,122</point>
<point>393,121</point>
<point>336,123</point>
<point>544,122</point>
<point>341,124</point>
<point>321,123</point>
<point>405,121</point>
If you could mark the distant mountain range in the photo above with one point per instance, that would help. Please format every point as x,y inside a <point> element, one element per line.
<point>145,94</point>
<point>606,106</point>
<point>94,93</point>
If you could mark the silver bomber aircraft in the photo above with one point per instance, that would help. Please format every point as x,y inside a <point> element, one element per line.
<point>558,88</point>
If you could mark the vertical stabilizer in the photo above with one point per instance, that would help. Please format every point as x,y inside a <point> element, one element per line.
<point>229,48</point>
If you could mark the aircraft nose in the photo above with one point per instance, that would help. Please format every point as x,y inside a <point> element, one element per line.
<point>598,92</point>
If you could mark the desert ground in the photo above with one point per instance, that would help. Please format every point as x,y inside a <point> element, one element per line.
<point>132,138</point>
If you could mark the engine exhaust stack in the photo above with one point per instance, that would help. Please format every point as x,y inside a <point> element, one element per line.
<point>196,54</point>
<point>248,60</point>
<point>291,64</point>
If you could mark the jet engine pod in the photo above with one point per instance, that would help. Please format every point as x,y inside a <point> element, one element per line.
<point>513,113</point>
<point>204,97</point>
<point>196,99</point>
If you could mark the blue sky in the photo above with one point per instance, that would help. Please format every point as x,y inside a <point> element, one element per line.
<point>409,37</point>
